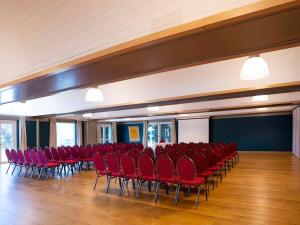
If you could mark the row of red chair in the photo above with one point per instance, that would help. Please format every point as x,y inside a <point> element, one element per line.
<point>180,166</point>
<point>47,160</point>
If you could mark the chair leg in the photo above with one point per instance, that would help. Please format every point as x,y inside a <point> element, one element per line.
<point>197,199</point>
<point>32,171</point>
<point>41,171</point>
<point>8,168</point>
<point>156,196</point>
<point>20,171</point>
<point>207,190</point>
<point>96,182</point>
<point>176,199</point>
<point>27,168</point>
<point>48,171</point>
<point>121,187</point>
<point>12,173</point>
<point>108,183</point>
<point>139,186</point>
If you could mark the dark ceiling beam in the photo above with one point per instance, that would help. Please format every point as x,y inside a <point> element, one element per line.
<point>258,32</point>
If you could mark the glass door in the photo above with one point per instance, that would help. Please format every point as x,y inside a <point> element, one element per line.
<point>7,137</point>
<point>106,133</point>
<point>152,134</point>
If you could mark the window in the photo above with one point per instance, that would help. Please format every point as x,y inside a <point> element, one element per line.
<point>65,133</point>
<point>106,133</point>
<point>8,137</point>
<point>159,132</point>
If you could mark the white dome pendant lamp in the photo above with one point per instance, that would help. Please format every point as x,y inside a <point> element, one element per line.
<point>254,68</point>
<point>94,95</point>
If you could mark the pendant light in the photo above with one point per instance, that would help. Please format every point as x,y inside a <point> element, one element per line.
<point>254,68</point>
<point>94,95</point>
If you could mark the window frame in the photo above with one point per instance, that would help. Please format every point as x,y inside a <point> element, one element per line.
<point>103,137</point>
<point>160,123</point>
<point>14,136</point>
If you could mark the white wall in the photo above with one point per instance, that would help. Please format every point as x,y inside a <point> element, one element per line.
<point>193,130</point>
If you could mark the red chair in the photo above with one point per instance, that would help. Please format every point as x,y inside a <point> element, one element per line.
<point>129,171</point>
<point>85,157</point>
<point>22,161</point>
<point>28,161</point>
<point>15,160</point>
<point>135,154</point>
<point>48,154</point>
<point>9,158</point>
<point>34,162</point>
<point>165,173</point>
<point>186,170</point>
<point>100,167</point>
<point>66,162</point>
<point>113,170</point>
<point>48,167</point>
<point>147,172</point>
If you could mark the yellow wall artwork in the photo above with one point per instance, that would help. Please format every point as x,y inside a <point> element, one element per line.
<point>134,134</point>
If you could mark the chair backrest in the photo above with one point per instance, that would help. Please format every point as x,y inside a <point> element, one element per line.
<point>42,158</point>
<point>89,151</point>
<point>176,155</point>
<point>21,156</point>
<point>135,154</point>
<point>150,152</point>
<point>14,156</point>
<point>68,152</point>
<point>200,162</point>
<point>8,155</point>
<point>27,156</point>
<point>34,158</point>
<point>62,154</point>
<point>81,152</point>
<point>128,165</point>
<point>99,163</point>
<point>74,153</point>
<point>146,165</point>
<point>55,154</point>
<point>165,167</point>
<point>112,163</point>
<point>48,154</point>
<point>186,168</point>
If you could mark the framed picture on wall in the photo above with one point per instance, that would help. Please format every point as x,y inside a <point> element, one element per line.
<point>134,134</point>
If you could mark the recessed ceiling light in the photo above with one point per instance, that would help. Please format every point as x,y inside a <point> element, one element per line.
<point>254,68</point>
<point>262,109</point>
<point>87,115</point>
<point>94,95</point>
<point>260,98</point>
<point>183,115</point>
<point>153,108</point>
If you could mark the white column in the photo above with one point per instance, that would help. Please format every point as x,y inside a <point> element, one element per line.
<point>52,136</point>
<point>22,133</point>
<point>296,132</point>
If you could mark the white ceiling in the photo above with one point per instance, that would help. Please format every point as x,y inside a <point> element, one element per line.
<point>36,35</point>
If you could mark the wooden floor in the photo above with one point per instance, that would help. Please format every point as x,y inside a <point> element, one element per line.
<point>264,188</point>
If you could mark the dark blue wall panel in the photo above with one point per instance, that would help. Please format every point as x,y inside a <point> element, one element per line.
<point>44,133</point>
<point>123,133</point>
<point>31,133</point>
<point>265,133</point>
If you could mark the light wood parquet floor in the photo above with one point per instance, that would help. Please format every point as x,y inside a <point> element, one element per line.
<point>264,188</point>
